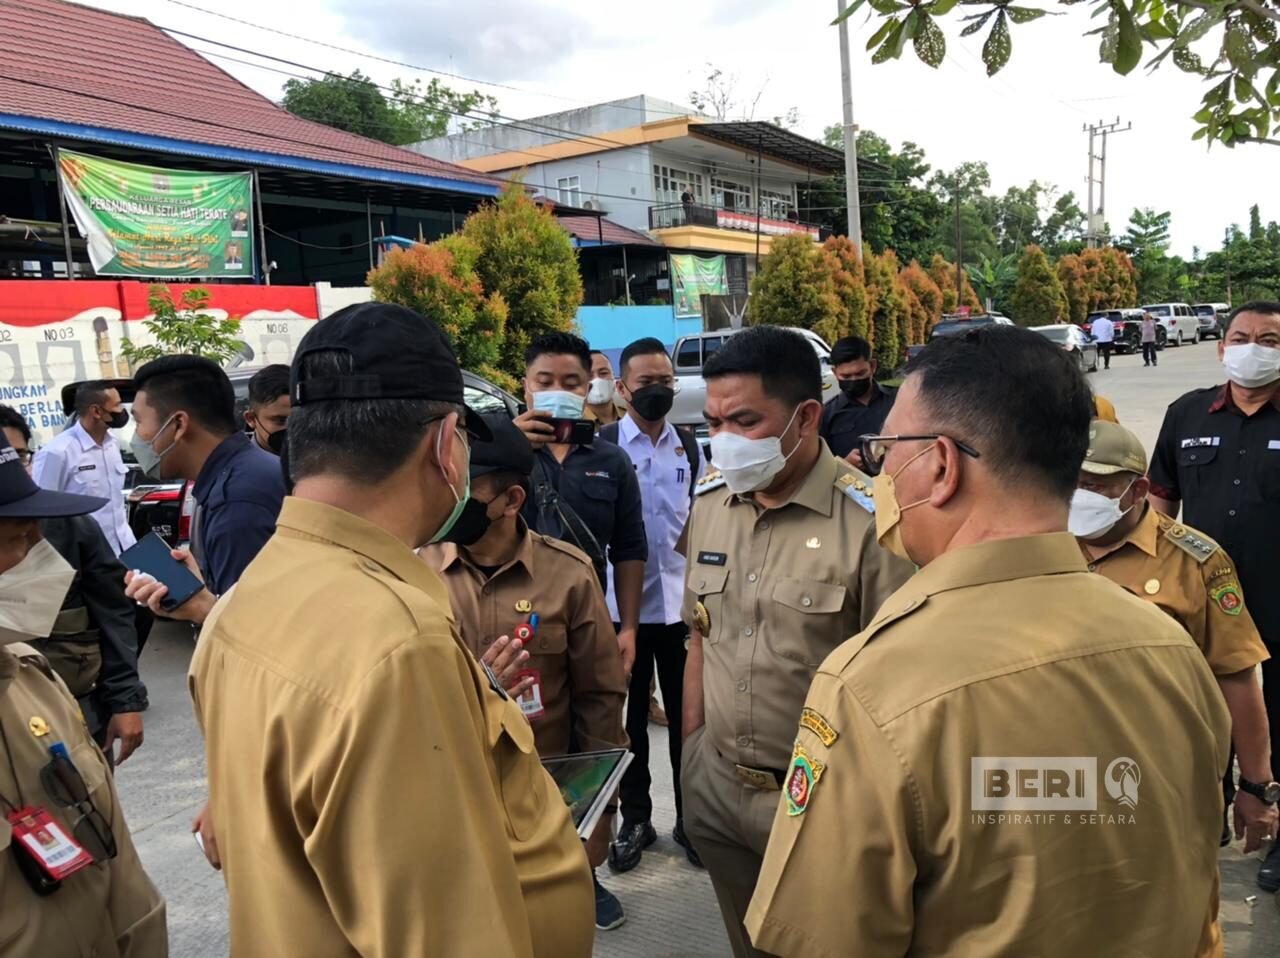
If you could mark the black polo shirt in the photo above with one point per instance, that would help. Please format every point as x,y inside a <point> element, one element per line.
<point>599,483</point>
<point>1225,467</point>
<point>845,419</point>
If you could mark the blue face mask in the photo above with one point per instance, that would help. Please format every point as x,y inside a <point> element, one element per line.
<point>559,403</point>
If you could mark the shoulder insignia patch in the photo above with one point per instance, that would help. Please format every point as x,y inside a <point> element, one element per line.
<point>1191,541</point>
<point>819,726</point>
<point>712,480</point>
<point>857,489</point>
<point>1228,599</point>
<point>803,776</point>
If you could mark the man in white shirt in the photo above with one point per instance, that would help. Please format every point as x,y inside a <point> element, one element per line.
<point>85,459</point>
<point>1103,332</point>
<point>667,464</point>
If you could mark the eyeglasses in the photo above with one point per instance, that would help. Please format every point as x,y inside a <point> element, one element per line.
<point>64,784</point>
<point>875,448</point>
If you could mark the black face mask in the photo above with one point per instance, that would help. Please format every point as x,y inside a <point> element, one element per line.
<point>855,388</point>
<point>651,403</point>
<point>472,524</point>
<point>119,419</point>
<point>275,440</point>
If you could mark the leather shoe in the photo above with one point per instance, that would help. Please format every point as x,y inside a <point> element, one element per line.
<point>626,849</point>
<point>682,840</point>
<point>1269,873</point>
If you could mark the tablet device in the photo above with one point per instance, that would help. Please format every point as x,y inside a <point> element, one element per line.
<point>587,782</point>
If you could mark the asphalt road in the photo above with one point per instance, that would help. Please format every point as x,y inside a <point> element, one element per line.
<point>671,910</point>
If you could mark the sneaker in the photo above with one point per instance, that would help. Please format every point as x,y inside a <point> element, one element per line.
<point>681,839</point>
<point>609,913</point>
<point>626,849</point>
<point>1269,873</point>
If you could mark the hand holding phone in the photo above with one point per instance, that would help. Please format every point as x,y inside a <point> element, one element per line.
<point>579,432</point>
<point>152,556</point>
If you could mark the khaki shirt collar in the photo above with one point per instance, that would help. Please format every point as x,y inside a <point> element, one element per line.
<point>1146,534</point>
<point>305,519</point>
<point>450,553</point>
<point>816,492</point>
<point>1000,560</point>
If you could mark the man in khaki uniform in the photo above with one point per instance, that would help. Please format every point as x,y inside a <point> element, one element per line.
<point>782,566</point>
<point>916,818</point>
<point>1185,573</point>
<point>506,581</point>
<point>61,825</point>
<point>375,792</point>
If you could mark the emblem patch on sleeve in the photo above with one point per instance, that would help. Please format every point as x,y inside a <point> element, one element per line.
<point>802,778</point>
<point>819,726</point>
<point>1228,598</point>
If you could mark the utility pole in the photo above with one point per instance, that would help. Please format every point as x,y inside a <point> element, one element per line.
<point>850,141</point>
<point>959,251</point>
<point>1097,218</point>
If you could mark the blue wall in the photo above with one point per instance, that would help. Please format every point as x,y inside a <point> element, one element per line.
<point>611,328</point>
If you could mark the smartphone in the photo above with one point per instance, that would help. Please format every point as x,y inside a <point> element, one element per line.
<point>151,555</point>
<point>580,432</point>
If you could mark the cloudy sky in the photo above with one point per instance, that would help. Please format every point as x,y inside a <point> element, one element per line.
<point>544,56</point>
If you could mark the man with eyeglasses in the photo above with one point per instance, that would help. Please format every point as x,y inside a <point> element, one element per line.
<point>913,798</point>
<point>783,566</point>
<point>70,879</point>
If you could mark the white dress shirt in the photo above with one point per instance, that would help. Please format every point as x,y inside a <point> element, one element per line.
<point>663,472</point>
<point>73,462</point>
<point>1103,330</point>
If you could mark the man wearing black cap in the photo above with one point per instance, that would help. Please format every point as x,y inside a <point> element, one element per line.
<point>70,879</point>
<point>505,580</point>
<point>374,789</point>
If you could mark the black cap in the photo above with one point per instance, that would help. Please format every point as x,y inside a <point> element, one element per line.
<point>507,451</point>
<point>395,354</point>
<point>20,498</point>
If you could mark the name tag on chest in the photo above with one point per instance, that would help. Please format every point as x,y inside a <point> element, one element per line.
<point>1197,442</point>
<point>85,468</point>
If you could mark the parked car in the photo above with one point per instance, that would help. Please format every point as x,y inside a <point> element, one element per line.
<point>691,391</point>
<point>1075,341</point>
<point>1179,322</point>
<point>954,323</point>
<point>168,506</point>
<point>1212,318</point>
<point>1128,329</point>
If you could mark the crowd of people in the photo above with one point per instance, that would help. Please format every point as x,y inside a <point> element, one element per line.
<point>862,617</point>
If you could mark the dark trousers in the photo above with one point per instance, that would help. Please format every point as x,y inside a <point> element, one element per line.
<point>1271,697</point>
<point>1149,354</point>
<point>663,645</point>
<point>1105,350</point>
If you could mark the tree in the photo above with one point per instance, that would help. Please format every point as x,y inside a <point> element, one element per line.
<point>851,286</point>
<point>927,301</point>
<point>944,275</point>
<point>526,257</point>
<point>410,113</point>
<point>1234,43</point>
<point>1075,286</point>
<point>439,281</point>
<point>1038,298</point>
<point>183,326</point>
<point>890,310</point>
<point>1147,242</point>
<point>993,280</point>
<point>796,286</point>
<point>719,98</point>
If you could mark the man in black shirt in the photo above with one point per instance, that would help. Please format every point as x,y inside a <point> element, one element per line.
<point>862,405</point>
<point>1218,456</point>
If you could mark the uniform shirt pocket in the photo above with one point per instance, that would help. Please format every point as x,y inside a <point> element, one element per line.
<point>1191,462</point>
<point>707,584</point>
<point>797,632</point>
<point>601,490</point>
<point>519,770</point>
<point>548,640</point>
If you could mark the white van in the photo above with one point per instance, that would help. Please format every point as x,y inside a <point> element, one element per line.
<point>1181,325</point>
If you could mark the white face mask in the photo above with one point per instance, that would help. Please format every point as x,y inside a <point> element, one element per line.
<point>748,465</point>
<point>1252,365</point>
<point>1093,515</point>
<point>31,594</point>
<point>558,402</point>
<point>601,392</point>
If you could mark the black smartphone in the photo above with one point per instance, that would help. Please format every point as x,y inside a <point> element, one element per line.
<point>580,432</point>
<point>151,555</point>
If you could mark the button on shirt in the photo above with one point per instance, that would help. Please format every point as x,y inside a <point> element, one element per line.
<point>844,419</point>
<point>239,492</point>
<point>782,588</point>
<point>1103,330</point>
<point>892,845</point>
<point>662,469</point>
<point>1225,467</point>
<point>73,462</point>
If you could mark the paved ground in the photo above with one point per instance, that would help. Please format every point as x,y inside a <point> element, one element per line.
<point>672,911</point>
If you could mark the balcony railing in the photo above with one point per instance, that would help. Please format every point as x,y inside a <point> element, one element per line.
<point>673,215</point>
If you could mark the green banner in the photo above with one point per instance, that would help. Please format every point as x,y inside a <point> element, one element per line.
<point>149,221</point>
<point>691,277</point>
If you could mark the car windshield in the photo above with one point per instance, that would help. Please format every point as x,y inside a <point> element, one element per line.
<point>952,327</point>
<point>1058,334</point>
<point>1157,310</point>
<point>1204,311</point>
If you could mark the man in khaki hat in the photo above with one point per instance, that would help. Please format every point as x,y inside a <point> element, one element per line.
<point>1185,573</point>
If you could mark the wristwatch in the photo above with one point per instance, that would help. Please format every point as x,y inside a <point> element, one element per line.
<point>1268,793</point>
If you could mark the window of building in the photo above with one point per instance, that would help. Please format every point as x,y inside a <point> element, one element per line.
<point>670,182</point>
<point>570,190</point>
<point>775,205</point>
<point>728,195</point>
